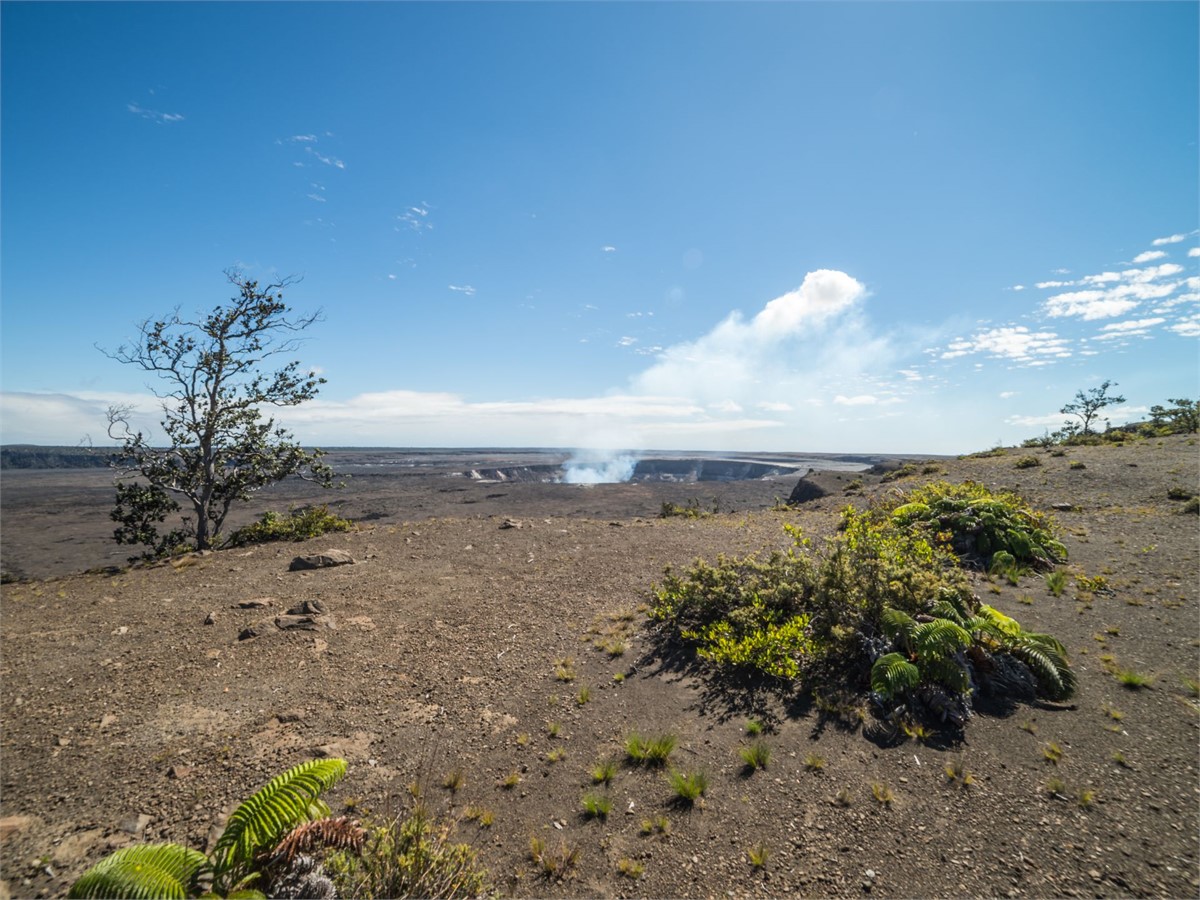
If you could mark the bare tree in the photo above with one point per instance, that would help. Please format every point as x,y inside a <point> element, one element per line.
<point>1088,404</point>
<point>220,447</point>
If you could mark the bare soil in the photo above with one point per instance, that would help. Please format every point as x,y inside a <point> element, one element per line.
<point>439,652</point>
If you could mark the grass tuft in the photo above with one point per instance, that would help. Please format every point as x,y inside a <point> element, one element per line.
<point>650,751</point>
<point>688,786</point>
<point>883,794</point>
<point>756,756</point>
<point>596,806</point>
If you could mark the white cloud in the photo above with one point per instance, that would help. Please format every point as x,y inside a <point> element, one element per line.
<point>775,355</point>
<point>1172,239</point>
<point>1129,289</point>
<point>463,289</point>
<point>726,406</point>
<point>1014,342</point>
<point>857,400</point>
<point>153,114</point>
<point>316,197</point>
<point>1053,284</point>
<point>1193,251</point>
<point>1132,325</point>
<point>303,138</point>
<point>774,406</point>
<point>1187,327</point>
<point>608,248</point>
<point>1149,256</point>
<point>627,341</point>
<point>911,375</point>
<point>1018,287</point>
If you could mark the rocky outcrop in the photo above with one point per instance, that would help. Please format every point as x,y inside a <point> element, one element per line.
<point>806,491</point>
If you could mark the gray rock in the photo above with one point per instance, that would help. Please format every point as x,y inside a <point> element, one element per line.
<point>321,560</point>
<point>295,623</point>
<point>309,608</point>
<point>210,619</point>
<point>135,824</point>
<point>511,523</point>
<point>252,631</point>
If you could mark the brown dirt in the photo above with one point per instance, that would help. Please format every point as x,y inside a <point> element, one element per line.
<point>439,652</point>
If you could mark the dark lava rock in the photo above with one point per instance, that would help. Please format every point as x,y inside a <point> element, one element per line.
<point>309,608</point>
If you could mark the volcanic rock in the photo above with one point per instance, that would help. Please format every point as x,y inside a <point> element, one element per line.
<point>321,560</point>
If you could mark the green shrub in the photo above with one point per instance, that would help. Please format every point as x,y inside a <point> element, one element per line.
<point>977,523</point>
<point>883,606</point>
<point>688,786</point>
<point>1179,493</point>
<point>691,510</point>
<point>1027,462</point>
<point>297,525</point>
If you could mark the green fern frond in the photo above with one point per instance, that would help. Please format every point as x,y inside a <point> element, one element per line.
<point>1053,673</point>
<point>1046,641</point>
<point>1006,625</point>
<point>893,674</point>
<point>898,626</point>
<point>945,609</point>
<point>948,673</point>
<point>143,872</point>
<point>939,639</point>
<point>263,819</point>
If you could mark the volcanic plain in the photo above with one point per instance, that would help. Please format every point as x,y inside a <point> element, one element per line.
<point>477,634</point>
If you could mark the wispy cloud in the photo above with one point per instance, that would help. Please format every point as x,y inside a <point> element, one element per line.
<point>1013,342</point>
<point>417,218</point>
<point>1149,256</point>
<point>608,248</point>
<point>627,341</point>
<point>1129,328</point>
<point>153,115</point>
<point>1171,239</point>
<point>463,289</point>
<point>328,160</point>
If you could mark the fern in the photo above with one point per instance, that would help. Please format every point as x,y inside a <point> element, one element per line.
<point>939,639</point>
<point>1047,660</point>
<point>893,674</point>
<point>898,626</point>
<point>144,872</point>
<point>263,819</point>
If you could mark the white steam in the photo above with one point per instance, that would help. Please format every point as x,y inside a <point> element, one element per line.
<point>592,468</point>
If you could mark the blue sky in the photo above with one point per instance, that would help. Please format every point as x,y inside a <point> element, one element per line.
<point>812,227</point>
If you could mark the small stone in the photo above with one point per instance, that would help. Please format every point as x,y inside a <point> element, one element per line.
<point>179,771</point>
<point>256,603</point>
<point>1094,874</point>
<point>251,631</point>
<point>1062,507</point>
<point>210,619</point>
<point>107,719</point>
<point>135,824</point>
<point>295,623</point>
<point>64,742</point>
<point>510,523</point>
